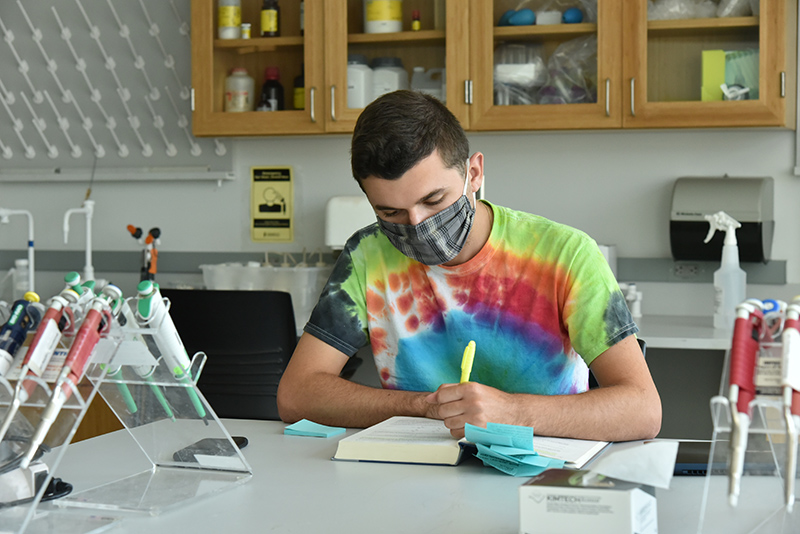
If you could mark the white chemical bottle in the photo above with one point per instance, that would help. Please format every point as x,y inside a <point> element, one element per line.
<point>730,281</point>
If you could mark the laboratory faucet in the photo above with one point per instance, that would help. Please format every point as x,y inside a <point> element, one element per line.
<point>88,209</point>
<point>4,215</point>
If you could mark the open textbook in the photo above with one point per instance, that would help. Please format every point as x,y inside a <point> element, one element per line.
<point>420,440</point>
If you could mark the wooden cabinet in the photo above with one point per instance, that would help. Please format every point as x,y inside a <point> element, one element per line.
<point>540,42</point>
<point>648,73</point>
<point>293,54</point>
<point>645,74</point>
<point>663,64</point>
<point>333,29</point>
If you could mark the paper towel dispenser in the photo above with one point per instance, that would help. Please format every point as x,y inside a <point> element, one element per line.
<point>344,216</point>
<point>748,200</point>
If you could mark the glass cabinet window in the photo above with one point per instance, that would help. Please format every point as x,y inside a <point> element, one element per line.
<point>545,52</point>
<point>703,51</point>
<point>394,44</point>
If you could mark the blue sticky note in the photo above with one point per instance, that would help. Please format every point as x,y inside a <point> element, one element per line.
<point>476,434</point>
<point>521,436</point>
<point>304,427</point>
<point>506,466</point>
<point>512,451</point>
<point>524,470</point>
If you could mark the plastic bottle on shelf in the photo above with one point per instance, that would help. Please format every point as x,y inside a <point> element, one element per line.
<point>239,90</point>
<point>271,91</point>
<point>299,92</point>
<point>383,16</point>
<point>428,82</point>
<point>230,19</point>
<point>270,19</point>
<point>359,81</point>
<point>388,75</point>
<point>730,281</point>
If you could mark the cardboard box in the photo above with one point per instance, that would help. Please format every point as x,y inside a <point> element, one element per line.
<point>556,502</point>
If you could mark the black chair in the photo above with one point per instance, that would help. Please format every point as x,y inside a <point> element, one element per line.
<point>593,382</point>
<point>248,338</point>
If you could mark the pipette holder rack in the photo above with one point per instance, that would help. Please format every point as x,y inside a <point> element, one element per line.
<point>761,506</point>
<point>160,413</point>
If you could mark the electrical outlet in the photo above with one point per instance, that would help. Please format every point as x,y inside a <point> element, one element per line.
<point>686,270</point>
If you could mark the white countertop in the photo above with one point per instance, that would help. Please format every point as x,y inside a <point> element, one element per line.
<point>296,488</point>
<point>682,332</point>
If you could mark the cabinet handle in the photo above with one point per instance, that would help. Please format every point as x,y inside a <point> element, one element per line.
<point>633,101</point>
<point>333,103</point>
<point>783,84</point>
<point>468,91</point>
<point>311,93</point>
<point>608,102</point>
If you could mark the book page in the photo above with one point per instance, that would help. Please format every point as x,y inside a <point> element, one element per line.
<point>406,430</point>
<point>573,451</point>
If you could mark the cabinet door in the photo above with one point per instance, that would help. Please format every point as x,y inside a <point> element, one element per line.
<point>294,55</point>
<point>673,69</point>
<point>545,76</point>
<point>347,37</point>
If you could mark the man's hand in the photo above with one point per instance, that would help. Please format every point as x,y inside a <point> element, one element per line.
<point>473,403</point>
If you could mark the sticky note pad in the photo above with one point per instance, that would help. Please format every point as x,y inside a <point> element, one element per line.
<point>304,427</point>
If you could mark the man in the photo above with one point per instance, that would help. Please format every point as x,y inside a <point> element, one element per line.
<point>439,269</point>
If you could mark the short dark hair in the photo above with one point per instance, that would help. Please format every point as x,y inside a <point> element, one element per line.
<point>400,129</point>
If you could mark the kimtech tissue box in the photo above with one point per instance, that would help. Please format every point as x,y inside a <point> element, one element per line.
<point>559,501</point>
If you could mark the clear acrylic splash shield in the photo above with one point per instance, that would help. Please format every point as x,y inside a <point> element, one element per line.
<point>761,506</point>
<point>190,452</point>
<point>20,506</point>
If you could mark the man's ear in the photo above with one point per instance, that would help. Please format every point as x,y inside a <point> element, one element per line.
<point>476,172</point>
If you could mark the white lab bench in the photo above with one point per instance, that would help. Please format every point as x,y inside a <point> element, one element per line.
<point>682,332</point>
<point>685,355</point>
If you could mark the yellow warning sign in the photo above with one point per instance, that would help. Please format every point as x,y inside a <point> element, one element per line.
<point>272,204</point>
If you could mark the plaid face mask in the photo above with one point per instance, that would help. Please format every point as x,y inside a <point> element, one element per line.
<point>439,238</point>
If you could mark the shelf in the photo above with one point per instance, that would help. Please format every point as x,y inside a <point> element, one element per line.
<point>545,30</point>
<point>420,37</point>
<point>711,24</point>
<point>259,44</point>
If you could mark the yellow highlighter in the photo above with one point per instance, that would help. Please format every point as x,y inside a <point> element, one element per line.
<point>466,362</point>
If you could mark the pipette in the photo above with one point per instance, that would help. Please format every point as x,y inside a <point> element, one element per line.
<point>127,318</point>
<point>790,381</point>
<point>26,313</point>
<point>96,323</point>
<point>152,312</point>
<point>744,349</point>
<point>57,319</point>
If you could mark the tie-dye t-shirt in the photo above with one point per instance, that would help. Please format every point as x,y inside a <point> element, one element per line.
<point>539,300</point>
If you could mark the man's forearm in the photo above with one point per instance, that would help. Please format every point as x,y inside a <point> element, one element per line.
<point>616,413</point>
<point>330,400</point>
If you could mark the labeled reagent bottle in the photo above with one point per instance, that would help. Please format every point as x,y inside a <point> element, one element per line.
<point>270,19</point>
<point>271,91</point>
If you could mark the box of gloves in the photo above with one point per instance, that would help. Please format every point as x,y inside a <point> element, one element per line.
<point>565,501</point>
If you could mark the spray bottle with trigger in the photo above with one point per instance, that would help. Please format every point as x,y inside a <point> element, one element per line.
<point>730,281</point>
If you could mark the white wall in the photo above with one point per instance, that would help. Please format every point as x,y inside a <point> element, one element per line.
<point>614,185</point>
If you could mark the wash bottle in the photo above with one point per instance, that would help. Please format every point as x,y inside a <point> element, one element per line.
<point>729,280</point>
